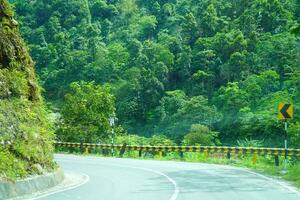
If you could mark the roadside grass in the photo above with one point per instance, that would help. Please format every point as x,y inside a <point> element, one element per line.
<point>263,164</point>
<point>294,175</point>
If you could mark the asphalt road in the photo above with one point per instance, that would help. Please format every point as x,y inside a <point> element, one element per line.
<point>128,179</point>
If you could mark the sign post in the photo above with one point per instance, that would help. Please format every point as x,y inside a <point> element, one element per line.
<point>285,112</point>
<point>112,123</point>
<point>285,143</point>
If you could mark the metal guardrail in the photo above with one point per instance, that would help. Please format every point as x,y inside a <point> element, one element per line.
<point>182,149</point>
<point>86,147</point>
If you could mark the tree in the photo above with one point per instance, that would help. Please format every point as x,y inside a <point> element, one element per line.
<point>100,9</point>
<point>86,113</point>
<point>222,58</point>
<point>190,28</point>
<point>173,101</point>
<point>192,111</point>
<point>236,68</point>
<point>53,27</point>
<point>272,16</point>
<point>147,26</point>
<point>278,52</point>
<point>200,135</point>
<point>231,98</point>
<point>182,68</point>
<point>294,134</point>
<point>209,21</point>
<point>150,89</point>
<point>118,57</point>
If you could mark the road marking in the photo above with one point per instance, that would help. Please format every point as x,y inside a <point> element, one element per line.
<point>282,184</point>
<point>176,188</point>
<point>273,180</point>
<point>45,194</point>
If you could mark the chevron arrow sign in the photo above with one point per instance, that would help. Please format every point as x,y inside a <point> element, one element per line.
<point>285,111</point>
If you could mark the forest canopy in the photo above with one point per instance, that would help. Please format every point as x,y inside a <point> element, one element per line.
<point>174,67</point>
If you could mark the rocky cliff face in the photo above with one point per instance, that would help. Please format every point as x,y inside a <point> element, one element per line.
<point>13,54</point>
<point>23,119</point>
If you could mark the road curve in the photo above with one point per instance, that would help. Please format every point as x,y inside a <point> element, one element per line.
<point>128,179</point>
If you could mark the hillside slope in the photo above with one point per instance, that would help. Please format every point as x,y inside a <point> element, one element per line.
<point>24,129</point>
<point>172,64</point>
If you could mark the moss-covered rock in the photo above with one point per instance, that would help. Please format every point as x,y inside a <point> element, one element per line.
<point>23,117</point>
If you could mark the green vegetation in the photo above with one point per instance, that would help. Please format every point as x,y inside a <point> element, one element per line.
<point>171,65</point>
<point>200,135</point>
<point>25,129</point>
<point>188,72</point>
<point>85,112</point>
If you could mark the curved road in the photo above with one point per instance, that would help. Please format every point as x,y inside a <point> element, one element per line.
<point>128,179</point>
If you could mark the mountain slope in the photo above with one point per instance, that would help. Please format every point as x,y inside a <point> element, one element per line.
<point>24,129</point>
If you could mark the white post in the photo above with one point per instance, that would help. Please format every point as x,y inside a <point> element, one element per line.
<point>112,141</point>
<point>112,123</point>
<point>285,144</point>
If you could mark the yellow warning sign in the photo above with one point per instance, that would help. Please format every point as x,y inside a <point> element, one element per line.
<point>285,111</point>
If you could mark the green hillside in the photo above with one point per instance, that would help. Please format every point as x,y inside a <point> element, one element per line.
<point>24,128</point>
<point>218,67</point>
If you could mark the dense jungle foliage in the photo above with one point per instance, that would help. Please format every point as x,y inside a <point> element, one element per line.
<point>194,71</point>
<point>23,118</point>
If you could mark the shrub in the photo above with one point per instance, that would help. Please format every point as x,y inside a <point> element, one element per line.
<point>200,135</point>
<point>250,143</point>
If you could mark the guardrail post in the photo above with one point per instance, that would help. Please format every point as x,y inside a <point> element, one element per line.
<point>254,159</point>
<point>100,150</point>
<point>140,152</point>
<point>106,151</point>
<point>198,156</point>
<point>160,154</point>
<point>276,157</point>
<point>71,149</point>
<point>81,147</point>
<point>153,152</point>
<point>228,155</point>
<point>205,153</point>
<point>181,155</point>
<point>122,151</point>
<point>112,150</point>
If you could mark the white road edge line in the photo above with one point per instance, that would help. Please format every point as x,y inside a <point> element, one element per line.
<point>176,188</point>
<point>87,179</point>
<point>282,184</point>
<point>273,180</point>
